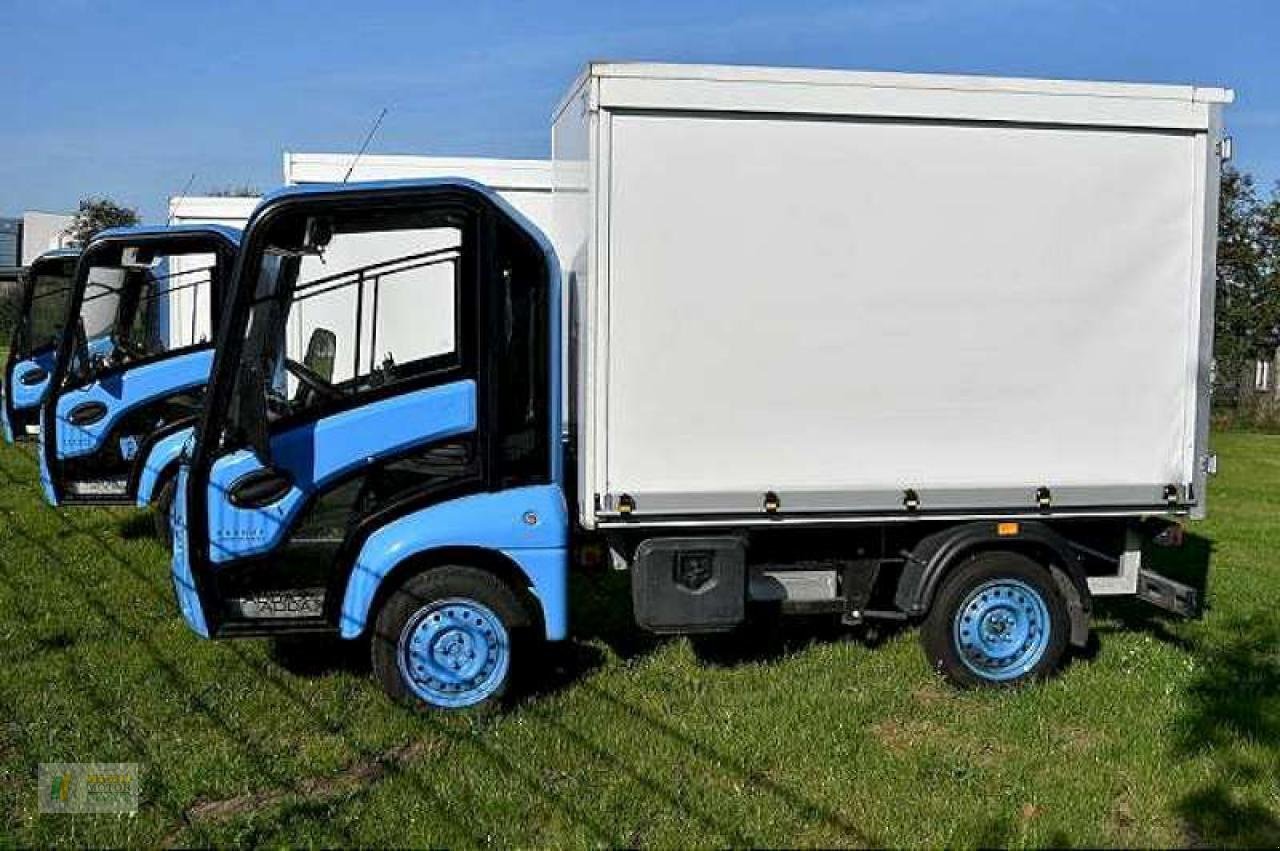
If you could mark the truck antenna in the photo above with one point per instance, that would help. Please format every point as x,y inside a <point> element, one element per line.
<point>367,139</point>
<point>182,198</point>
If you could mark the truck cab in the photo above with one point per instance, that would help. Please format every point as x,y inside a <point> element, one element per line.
<point>129,377</point>
<point>380,452</point>
<point>46,288</point>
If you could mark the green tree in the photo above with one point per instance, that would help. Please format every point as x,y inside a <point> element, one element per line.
<point>98,214</point>
<point>1247,316</point>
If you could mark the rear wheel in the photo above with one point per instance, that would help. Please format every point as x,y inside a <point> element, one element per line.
<point>449,638</point>
<point>998,620</point>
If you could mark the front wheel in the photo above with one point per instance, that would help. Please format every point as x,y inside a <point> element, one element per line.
<point>998,620</point>
<point>448,639</point>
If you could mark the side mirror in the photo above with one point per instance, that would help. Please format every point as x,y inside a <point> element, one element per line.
<point>319,233</point>
<point>322,351</point>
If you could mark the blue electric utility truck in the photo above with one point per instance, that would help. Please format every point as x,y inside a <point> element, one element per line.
<point>872,347</point>
<point>46,288</point>
<point>125,384</point>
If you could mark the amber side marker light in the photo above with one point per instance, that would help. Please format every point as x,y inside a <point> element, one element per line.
<point>1006,530</point>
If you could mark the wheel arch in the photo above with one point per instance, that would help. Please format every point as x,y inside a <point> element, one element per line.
<point>936,555</point>
<point>489,560</point>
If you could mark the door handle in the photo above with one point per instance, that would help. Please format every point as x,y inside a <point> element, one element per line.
<point>34,376</point>
<point>86,413</point>
<point>260,488</point>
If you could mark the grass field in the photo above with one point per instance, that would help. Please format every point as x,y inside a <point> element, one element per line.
<point>1164,733</point>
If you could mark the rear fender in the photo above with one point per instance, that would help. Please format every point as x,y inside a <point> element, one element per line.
<point>935,555</point>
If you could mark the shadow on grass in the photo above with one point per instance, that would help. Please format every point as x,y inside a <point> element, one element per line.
<point>236,732</point>
<point>1232,717</point>
<point>138,524</point>
<point>602,611</point>
<point>611,625</point>
<point>1234,721</point>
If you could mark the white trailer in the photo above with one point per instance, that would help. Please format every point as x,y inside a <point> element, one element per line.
<point>881,296</point>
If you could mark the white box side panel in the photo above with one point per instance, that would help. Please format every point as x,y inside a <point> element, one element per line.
<point>834,305</point>
<point>190,308</point>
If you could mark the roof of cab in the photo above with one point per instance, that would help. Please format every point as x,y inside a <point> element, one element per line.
<point>305,190</point>
<point>365,186</point>
<point>57,254</point>
<point>229,233</point>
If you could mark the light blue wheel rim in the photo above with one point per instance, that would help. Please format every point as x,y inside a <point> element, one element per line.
<point>454,653</point>
<point>1002,629</point>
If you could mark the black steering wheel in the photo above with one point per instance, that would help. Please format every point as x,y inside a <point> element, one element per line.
<point>312,380</point>
<point>128,347</point>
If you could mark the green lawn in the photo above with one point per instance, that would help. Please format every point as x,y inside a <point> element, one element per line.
<point>1166,733</point>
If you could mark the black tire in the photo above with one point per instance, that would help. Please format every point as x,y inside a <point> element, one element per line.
<point>161,505</point>
<point>425,592</point>
<point>1000,576</point>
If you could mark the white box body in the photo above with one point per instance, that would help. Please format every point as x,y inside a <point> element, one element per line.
<point>188,314</point>
<point>849,289</point>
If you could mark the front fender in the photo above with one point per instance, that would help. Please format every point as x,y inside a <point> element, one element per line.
<point>528,526</point>
<point>163,455</point>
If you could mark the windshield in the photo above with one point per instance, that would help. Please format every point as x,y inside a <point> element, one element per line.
<point>374,305</point>
<point>50,292</point>
<point>133,311</point>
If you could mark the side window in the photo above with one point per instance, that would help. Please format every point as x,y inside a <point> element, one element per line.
<point>101,299</point>
<point>376,307</point>
<point>49,295</point>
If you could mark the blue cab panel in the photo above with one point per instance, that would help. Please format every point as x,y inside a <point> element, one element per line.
<point>46,481</point>
<point>184,583</point>
<point>30,395</point>
<point>122,391</point>
<point>163,455</point>
<point>315,453</point>
<point>529,525</point>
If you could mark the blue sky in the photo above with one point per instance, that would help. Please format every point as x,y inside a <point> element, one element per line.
<point>129,98</point>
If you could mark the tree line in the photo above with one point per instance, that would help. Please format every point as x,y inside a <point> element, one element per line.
<point>1247,316</point>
